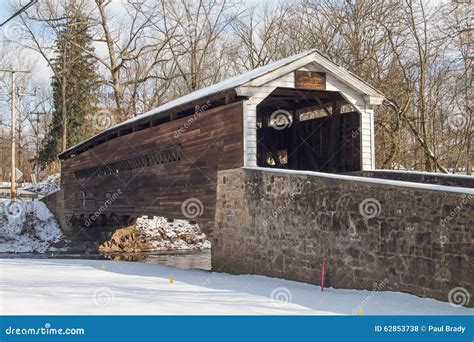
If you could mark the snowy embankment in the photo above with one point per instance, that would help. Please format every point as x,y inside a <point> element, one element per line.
<point>28,227</point>
<point>47,186</point>
<point>55,287</point>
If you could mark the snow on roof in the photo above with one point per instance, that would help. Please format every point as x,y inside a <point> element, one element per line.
<point>227,84</point>
<point>239,80</point>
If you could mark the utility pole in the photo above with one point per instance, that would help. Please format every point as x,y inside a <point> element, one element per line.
<point>13,128</point>
<point>63,94</point>
<point>37,139</point>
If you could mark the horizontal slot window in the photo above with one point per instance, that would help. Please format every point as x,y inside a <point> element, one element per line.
<point>162,156</point>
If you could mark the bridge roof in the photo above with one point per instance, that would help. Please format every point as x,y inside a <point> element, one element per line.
<point>286,64</point>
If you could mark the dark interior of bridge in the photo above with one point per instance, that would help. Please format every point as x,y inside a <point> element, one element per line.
<point>308,130</point>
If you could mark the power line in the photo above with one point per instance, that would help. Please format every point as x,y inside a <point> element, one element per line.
<point>21,10</point>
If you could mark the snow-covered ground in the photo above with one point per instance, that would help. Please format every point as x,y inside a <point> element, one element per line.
<point>54,287</point>
<point>47,186</point>
<point>27,226</point>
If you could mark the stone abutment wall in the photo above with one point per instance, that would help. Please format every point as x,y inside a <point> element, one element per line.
<point>80,237</point>
<point>55,203</point>
<point>409,237</point>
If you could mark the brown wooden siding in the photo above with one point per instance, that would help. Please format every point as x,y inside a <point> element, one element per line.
<point>214,141</point>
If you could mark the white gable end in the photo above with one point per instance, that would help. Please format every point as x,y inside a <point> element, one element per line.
<point>337,79</point>
<point>356,92</point>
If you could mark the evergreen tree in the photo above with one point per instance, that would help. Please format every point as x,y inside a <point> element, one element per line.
<point>76,68</point>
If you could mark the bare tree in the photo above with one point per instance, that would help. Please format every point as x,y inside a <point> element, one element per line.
<point>199,46</point>
<point>415,51</point>
<point>134,54</point>
<point>130,55</point>
<point>260,33</point>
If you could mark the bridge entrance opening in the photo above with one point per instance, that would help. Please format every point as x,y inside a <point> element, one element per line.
<point>308,130</point>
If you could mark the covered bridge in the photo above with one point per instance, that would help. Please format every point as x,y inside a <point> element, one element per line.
<point>303,112</point>
<point>240,157</point>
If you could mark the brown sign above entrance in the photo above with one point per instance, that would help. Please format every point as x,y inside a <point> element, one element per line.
<point>310,80</point>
